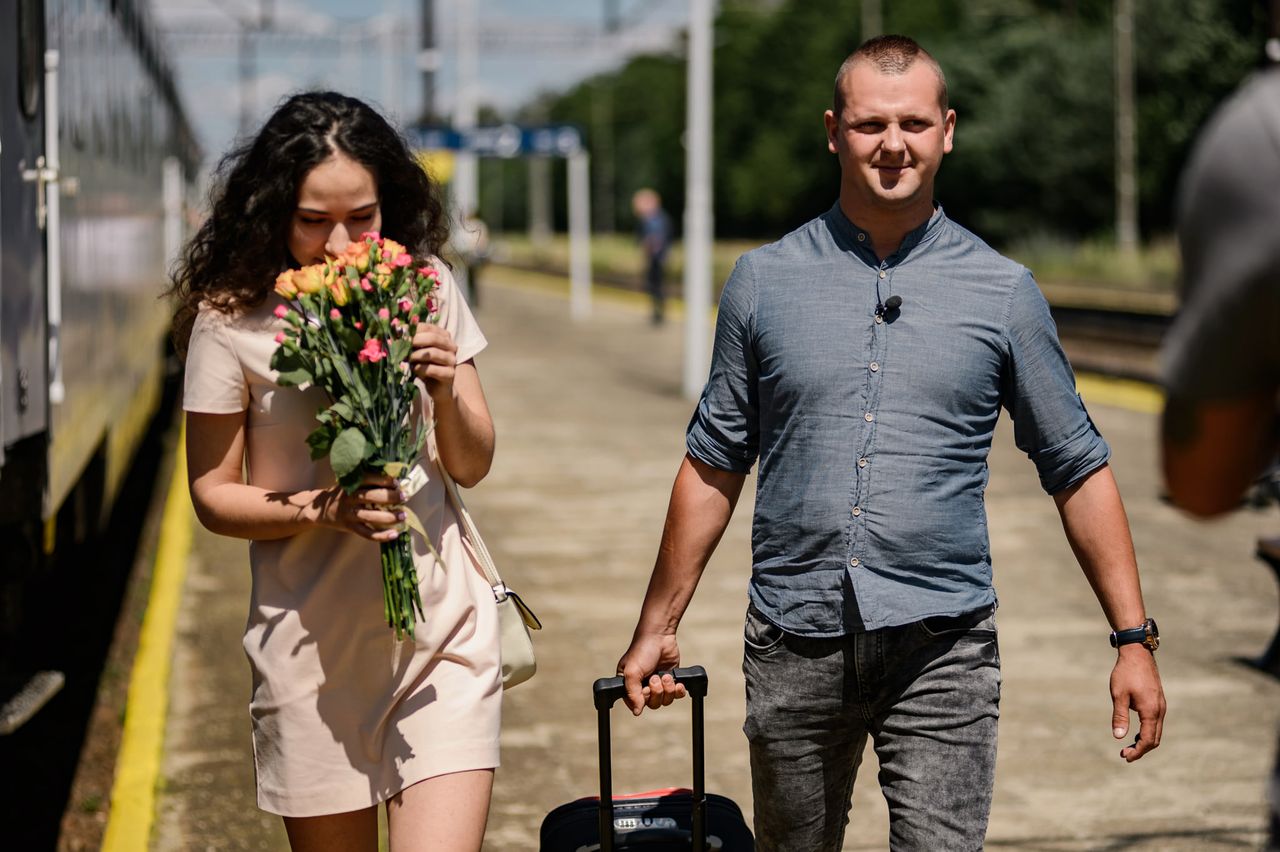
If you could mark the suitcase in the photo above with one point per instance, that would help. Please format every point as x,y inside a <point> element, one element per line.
<point>654,821</point>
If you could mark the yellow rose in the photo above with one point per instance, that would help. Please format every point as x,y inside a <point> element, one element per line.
<point>285,286</point>
<point>392,249</point>
<point>339,290</point>
<point>310,279</point>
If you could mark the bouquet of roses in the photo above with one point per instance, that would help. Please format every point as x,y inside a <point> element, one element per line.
<point>350,323</point>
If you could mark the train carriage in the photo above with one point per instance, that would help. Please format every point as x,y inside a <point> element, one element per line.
<point>97,159</point>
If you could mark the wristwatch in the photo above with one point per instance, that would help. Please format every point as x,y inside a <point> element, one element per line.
<point>1147,633</point>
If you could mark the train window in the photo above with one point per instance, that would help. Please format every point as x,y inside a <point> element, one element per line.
<point>30,55</point>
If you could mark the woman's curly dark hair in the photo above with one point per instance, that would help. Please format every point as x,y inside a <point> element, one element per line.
<point>242,246</point>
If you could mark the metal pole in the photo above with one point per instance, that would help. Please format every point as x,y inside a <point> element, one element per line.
<point>465,177</point>
<point>579,235</point>
<point>428,62</point>
<point>698,227</point>
<point>1126,134</point>
<point>246,80</point>
<point>540,201</point>
<point>465,184</point>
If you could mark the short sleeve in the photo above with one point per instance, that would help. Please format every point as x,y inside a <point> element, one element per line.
<point>456,317</point>
<point>1050,423</point>
<point>214,382</point>
<point>725,432</point>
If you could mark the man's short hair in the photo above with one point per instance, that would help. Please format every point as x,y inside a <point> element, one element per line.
<point>890,54</point>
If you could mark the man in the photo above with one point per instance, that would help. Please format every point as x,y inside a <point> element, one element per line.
<point>1222,357</point>
<point>655,241</point>
<point>864,360</point>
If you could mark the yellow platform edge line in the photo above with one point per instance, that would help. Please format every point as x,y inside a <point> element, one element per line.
<point>133,794</point>
<point>1120,393</point>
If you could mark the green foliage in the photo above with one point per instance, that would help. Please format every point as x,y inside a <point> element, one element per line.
<point>1031,80</point>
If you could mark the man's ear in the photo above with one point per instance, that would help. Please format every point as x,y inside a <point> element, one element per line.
<point>832,125</point>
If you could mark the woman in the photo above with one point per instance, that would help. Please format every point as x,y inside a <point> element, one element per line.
<point>344,716</point>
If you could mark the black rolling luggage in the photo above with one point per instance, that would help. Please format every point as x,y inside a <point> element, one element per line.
<point>655,821</point>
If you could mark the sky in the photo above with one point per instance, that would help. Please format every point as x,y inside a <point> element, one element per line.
<point>527,47</point>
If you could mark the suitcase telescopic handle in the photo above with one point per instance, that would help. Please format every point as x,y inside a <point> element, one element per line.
<point>607,691</point>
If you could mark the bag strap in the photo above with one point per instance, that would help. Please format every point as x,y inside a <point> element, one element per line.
<point>469,528</point>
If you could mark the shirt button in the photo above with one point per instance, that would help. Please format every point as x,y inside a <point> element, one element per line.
<point>853,562</point>
<point>857,511</point>
<point>875,366</point>
<point>882,273</point>
<point>862,237</point>
<point>862,462</point>
<point>868,417</point>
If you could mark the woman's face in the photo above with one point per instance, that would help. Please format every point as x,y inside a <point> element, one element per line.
<point>337,202</point>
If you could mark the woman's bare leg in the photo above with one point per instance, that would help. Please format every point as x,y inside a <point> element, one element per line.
<point>354,831</point>
<point>442,814</point>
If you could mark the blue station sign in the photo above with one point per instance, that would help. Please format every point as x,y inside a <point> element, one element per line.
<point>502,140</point>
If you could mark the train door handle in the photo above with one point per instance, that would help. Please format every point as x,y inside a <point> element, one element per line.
<point>41,176</point>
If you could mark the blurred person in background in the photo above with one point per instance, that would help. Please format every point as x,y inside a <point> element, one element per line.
<point>655,241</point>
<point>863,360</point>
<point>345,716</point>
<point>470,242</point>
<point>1221,359</point>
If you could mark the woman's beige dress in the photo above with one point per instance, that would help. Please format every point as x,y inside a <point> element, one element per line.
<point>344,716</point>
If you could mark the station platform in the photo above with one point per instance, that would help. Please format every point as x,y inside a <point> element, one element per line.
<point>590,426</point>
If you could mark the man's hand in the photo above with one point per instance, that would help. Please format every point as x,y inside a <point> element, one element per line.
<point>650,653</point>
<point>1135,683</point>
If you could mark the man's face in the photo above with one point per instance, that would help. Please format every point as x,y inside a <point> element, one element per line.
<point>891,135</point>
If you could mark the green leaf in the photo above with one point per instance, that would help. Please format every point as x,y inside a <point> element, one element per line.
<point>321,441</point>
<point>342,411</point>
<point>400,349</point>
<point>350,339</point>
<point>348,451</point>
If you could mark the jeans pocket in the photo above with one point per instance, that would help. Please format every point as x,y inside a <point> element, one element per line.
<point>981,622</point>
<point>759,634</point>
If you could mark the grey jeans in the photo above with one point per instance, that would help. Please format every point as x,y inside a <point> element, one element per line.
<point>928,693</point>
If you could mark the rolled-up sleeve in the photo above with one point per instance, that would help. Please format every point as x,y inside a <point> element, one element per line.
<point>724,432</point>
<point>1050,423</point>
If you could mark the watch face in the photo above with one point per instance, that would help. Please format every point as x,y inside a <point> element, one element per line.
<point>1153,634</point>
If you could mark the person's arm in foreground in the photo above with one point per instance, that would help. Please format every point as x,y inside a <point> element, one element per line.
<point>1098,531</point>
<point>702,501</point>
<point>1211,451</point>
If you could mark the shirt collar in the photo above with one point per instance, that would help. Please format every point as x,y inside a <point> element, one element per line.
<point>852,238</point>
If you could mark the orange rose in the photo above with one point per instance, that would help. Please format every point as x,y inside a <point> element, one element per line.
<point>357,255</point>
<point>391,249</point>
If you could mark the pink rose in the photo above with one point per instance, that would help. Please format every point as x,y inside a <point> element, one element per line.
<point>383,313</point>
<point>406,305</point>
<point>401,260</point>
<point>372,351</point>
<point>281,311</point>
<point>371,235</point>
<point>365,285</point>
<point>280,338</point>
<point>359,326</point>
<point>395,322</point>
<point>334,313</point>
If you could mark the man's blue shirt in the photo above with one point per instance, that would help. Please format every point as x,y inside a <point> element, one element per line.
<point>872,434</point>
